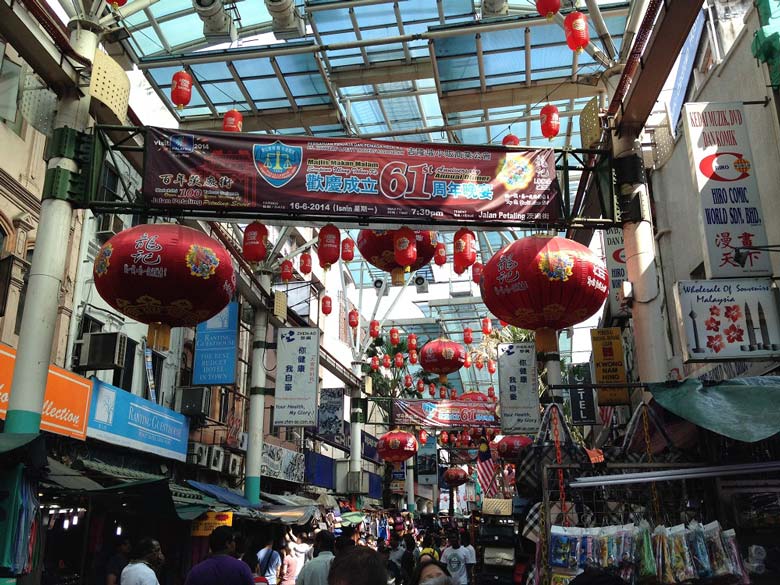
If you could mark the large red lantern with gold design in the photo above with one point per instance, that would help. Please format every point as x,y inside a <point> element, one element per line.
<point>165,273</point>
<point>377,248</point>
<point>513,446</point>
<point>405,247</point>
<point>328,246</point>
<point>455,476</point>
<point>442,356</point>
<point>396,446</point>
<point>395,336</point>
<point>440,254</point>
<point>255,245</point>
<point>464,250</point>
<point>304,264</point>
<point>550,120</point>
<point>575,25</point>
<point>347,249</point>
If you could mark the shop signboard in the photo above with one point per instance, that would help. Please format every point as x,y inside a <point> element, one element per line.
<point>724,175</point>
<point>443,414</point>
<point>281,463</point>
<point>609,365</point>
<point>330,415</point>
<point>205,524</point>
<point>722,320</point>
<point>297,377</point>
<point>427,466</point>
<point>615,254</point>
<point>518,388</point>
<point>122,418</point>
<point>583,406</point>
<point>216,346</point>
<point>65,402</point>
<point>399,471</point>
<point>338,178</point>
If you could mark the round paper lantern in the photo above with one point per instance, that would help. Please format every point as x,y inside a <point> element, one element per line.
<point>407,379</point>
<point>405,247</point>
<point>165,273</point>
<point>513,446</point>
<point>548,8</point>
<point>354,318</point>
<point>550,121</point>
<point>373,329</point>
<point>467,361</point>
<point>479,363</point>
<point>491,366</point>
<point>255,244</point>
<point>386,361</point>
<point>286,270</point>
<point>444,437</point>
<point>487,325</point>
<point>420,386</point>
<point>474,396</point>
<point>563,283</point>
<point>465,253</point>
<point>411,341</point>
<point>443,392</point>
<point>396,446</point>
<point>327,305</point>
<point>378,250</point>
<point>328,246</point>
<point>453,394</point>
<point>455,476</point>
<point>305,263</point>
<point>395,336</point>
<point>442,356</point>
<point>510,140</point>
<point>347,249</point>
<point>440,254</point>
<point>476,272</point>
<point>116,3</point>
<point>576,27</point>
<point>432,391</point>
<point>413,356</point>
<point>375,363</point>
<point>491,392</point>
<point>423,436</point>
<point>232,121</point>
<point>468,335</point>
<point>181,89</point>
<point>398,360</point>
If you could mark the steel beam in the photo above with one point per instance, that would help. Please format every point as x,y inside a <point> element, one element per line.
<point>516,94</point>
<point>418,69</point>
<point>270,118</point>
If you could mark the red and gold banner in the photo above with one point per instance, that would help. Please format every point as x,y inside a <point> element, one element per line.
<point>444,413</point>
<point>350,178</point>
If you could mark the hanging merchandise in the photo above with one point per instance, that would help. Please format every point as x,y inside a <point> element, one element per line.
<point>286,270</point>
<point>576,27</point>
<point>347,249</point>
<point>413,357</point>
<point>373,329</point>
<point>354,318</point>
<point>375,363</point>
<point>464,251</point>
<point>442,356</point>
<point>397,446</point>
<point>440,254</point>
<point>327,305</point>
<point>395,336</point>
<point>550,120</point>
<point>487,325</point>
<point>386,361</point>
<point>398,360</point>
<point>181,89</point>
<point>232,121</point>
<point>328,246</point>
<point>255,244</point>
<point>304,264</point>
<point>468,336</point>
<point>510,140</point>
<point>548,8</point>
<point>476,272</point>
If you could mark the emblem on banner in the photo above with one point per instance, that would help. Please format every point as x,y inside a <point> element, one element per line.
<point>277,163</point>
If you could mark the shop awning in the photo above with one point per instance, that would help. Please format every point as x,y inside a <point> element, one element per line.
<point>69,478</point>
<point>297,515</point>
<point>222,494</point>
<point>328,501</point>
<point>288,499</point>
<point>745,409</point>
<point>352,518</point>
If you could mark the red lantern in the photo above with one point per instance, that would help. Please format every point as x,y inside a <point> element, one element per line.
<point>411,341</point>
<point>165,273</point>
<point>398,360</point>
<point>375,363</point>
<point>468,336</point>
<point>455,477</point>
<point>116,3</point>
<point>479,362</point>
<point>420,386</point>
<point>386,361</point>
<point>305,263</point>
<point>491,365</point>
<point>502,323</point>
<point>491,392</point>
<point>576,27</point>
<point>328,246</point>
<point>407,378</point>
<point>566,283</point>
<point>354,318</point>
<point>413,357</point>
<point>548,8</point>
<point>347,249</point>
<point>443,392</point>
<point>181,89</point>
<point>396,446</point>
<point>232,121</point>
<point>432,391</point>
<point>476,272</point>
<point>373,329</point>
<point>465,254</point>
<point>378,250</point>
<point>286,270</point>
<point>327,305</point>
<point>405,247</point>
<point>440,255</point>
<point>255,245</point>
<point>474,396</point>
<point>550,121</point>
<point>442,356</point>
<point>487,325</point>
<point>423,436</point>
<point>510,140</point>
<point>444,437</point>
<point>513,446</point>
<point>467,361</point>
<point>395,336</point>
<point>453,394</point>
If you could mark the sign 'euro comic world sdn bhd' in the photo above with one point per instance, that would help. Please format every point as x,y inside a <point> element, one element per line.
<point>402,181</point>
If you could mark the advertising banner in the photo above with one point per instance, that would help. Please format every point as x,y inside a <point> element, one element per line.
<point>205,525</point>
<point>610,365</point>
<point>518,388</point>
<point>122,418</point>
<point>427,467</point>
<point>281,463</point>
<point>297,377</point>
<point>725,178</point>
<point>583,406</point>
<point>336,178</point>
<point>65,402</point>
<point>216,344</point>
<point>728,319</point>
<point>615,254</point>
<point>330,415</point>
<point>443,413</point>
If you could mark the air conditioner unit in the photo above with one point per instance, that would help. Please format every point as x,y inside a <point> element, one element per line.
<point>421,283</point>
<point>108,225</point>
<point>198,454</point>
<point>243,442</point>
<point>216,458</point>
<point>195,401</point>
<point>102,351</point>
<point>234,465</point>
<point>357,482</point>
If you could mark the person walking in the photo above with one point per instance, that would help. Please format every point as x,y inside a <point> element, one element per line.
<point>221,567</point>
<point>456,558</point>
<point>471,554</point>
<point>289,566</point>
<point>269,561</point>
<point>358,565</point>
<point>315,572</point>
<point>118,560</point>
<point>147,558</point>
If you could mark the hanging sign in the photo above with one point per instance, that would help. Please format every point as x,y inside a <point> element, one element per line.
<point>399,471</point>
<point>443,413</point>
<point>297,377</point>
<point>724,175</point>
<point>330,415</point>
<point>206,523</point>
<point>518,388</point>
<point>216,346</point>
<point>583,406</point>
<point>727,319</point>
<point>615,254</point>
<point>610,365</point>
<point>427,466</point>
<point>149,367</point>
<point>336,178</point>
<point>281,463</point>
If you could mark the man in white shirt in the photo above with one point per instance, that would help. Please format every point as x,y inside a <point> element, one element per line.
<point>299,549</point>
<point>146,559</point>
<point>315,572</point>
<point>456,559</point>
<point>471,561</point>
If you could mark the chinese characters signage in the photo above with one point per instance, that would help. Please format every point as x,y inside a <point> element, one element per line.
<point>297,377</point>
<point>727,319</point>
<point>215,348</point>
<point>350,178</point>
<point>443,414</point>
<point>518,388</point>
<point>724,175</point>
<point>330,415</point>
<point>610,365</point>
<point>616,266</point>
<point>281,463</point>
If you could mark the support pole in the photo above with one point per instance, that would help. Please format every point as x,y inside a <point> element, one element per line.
<point>36,336</point>
<point>548,354</point>
<point>410,505</point>
<point>357,416</point>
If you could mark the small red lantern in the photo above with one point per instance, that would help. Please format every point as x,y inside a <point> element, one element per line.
<point>398,360</point>
<point>491,366</point>
<point>432,388</point>
<point>453,394</point>
<point>255,245</point>
<point>405,247</point>
<point>487,325</point>
<point>116,3</point>
<point>513,446</point>
<point>479,362</point>
<point>444,438</point>
<point>510,140</point>
<point>548,8</point>
<point>354,318</point>
<point>395,336</point>
<point>232,121</point>
<point>455,477</point>
<point>407,379</point>
<point>305,263</point>
<point>465,254</point>
<point>476,272</point>
<point>181,89</point>
<point>440,255</point>
<point>411,341</point>
<point>423,436</point>
<point>576,27</point>
<point>420,386</point>
<point>396,446</point>
<point>375,363</point>
<point>373,329</point>
<point>328,246</point>
<point>386,361</point>
<point>491,392</point>
<point>550,121</point>
<point>286,270</point>
<point>468,335</point>
<point>443,392</point>
<point>442,356</point>
<point>327,305</point>
<point>347,249</point>
<point>467,361</point>
<point>413,357</point>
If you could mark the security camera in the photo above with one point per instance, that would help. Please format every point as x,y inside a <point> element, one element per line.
<point>419,280</point>
<point>379,283</point>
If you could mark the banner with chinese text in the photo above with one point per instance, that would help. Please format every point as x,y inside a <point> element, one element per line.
<point>518,388</point>
<point>610,365</point>
<point>297,377</point>
<point>443,413</point>
<point>350,178</point>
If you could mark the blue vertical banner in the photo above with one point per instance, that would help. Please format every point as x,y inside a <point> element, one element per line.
<point>216,347</point>
<point>683,69</point>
